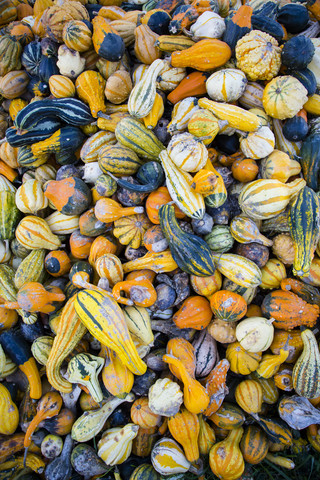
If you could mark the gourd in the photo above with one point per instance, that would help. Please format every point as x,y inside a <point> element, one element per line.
<point>187,153</point>
<point>248,395</point>
<point>228,306</point>
<point>70,196</point>
<point>216,386</point>
<point>279,166</point>
<point>298,412</point>
<point>172,43</point>
<point>90,88</point>
<point>191,253</point>
<point>30,198</point>
<point>61,463</point>
<point>143,472</point>
<point>70,332</point>
<point>179,186</point>
<point>241,361</point>
<point>132,134</point>
<point>84,369</point>
<point>106,41</point>
<point>40,349</point>
<point>263,199</point>
<point>49,406</point>
<point>116,444</point>
<point>157,262</point>
<point>204,182</point>
<point>194,313</point>
<point>141,292</point>
<point>184,427</point>
<point>91,422</point>
<point>34,232</point>
<point>107,210</point>
<point>9,213</point>
<point>30,269</point>
<point>255,334</point>
<point>143,95</point>
<point>165,397</point>
<point>258,55</point>
<point>305,375</point>
<point>9,412</point>
<point>289,310</point>
<point>184,351</point>
<point>139,324</point>
<point>151,120</point>
<point>240,270</point>
<point>33,297</point>
<point>116,377</point>
<point>237,26</point>
<point>258,144</point>
<point>205,55</point>
<point>225,458</point>
<point>109,328</point>
<point>304,229</point>
<point>77,36</point>
<point>254,445</point>
<point>192,85</point>
<point>226,85</point>
<point>278,98</point>
<point>276,429</point>
<point>270,364</point>
<point>245,230</point>
<point>86,462</point>
<point>206,437</point>
<point>196,399</point>
<point>13,84</point>
<point>130,230</point>
<point>236,117</point>
<point>181,114</point>
<point>144,45</point>
<point>142,415</point>
<point>57,263</point>
<point>167,457</point>
<point>51,446</point>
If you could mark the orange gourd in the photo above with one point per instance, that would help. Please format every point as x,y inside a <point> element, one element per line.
<point>185,427</point>
<point>8,318</point>
<point>216,386</point>
<point>142,415</point>
<point>290,340</point>
<point>195,312</point>
<point>116,376</point>
<point>33,297</point>
<point>57,263</point>
<point>184,351</point>
<point>90,87</point>
<point>245,170</point>
<point>191,86</point>
<point>196,398</point>
<point>225,458</point>
<point>102,245</point>
<point>80,245</point>
<point>141,292</point>
<point>154,239</point>
<point>206,437</point>
<point>205,55</point>
<point>109,267</point>
<point>206,286</point>
<point>228,306</point>
<point>249,396</point>
<point>204,182</point>
<point>155,200</point>
<point>107,210</point>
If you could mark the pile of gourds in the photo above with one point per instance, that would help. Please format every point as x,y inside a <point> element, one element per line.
<point>159,237</point>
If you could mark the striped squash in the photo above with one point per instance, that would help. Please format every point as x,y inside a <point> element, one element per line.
<point>181,114</point>
<point>276,429</point>
<point>143,94</point>
<point>225,457</point>
<point>133,134</point>
<point>187,153</point>
<point>91,148</point>
<point>77,36</point>
<point>252,96</point>
<point>27,159</point>
<point>61,87</point>
<point>139,324</point>
<point>304,225</point>
<point>263,199</point>
<point>258,144</point>
<point>61,224</point>
<point>167,457</point>
<point>34,232</point>
<point>159,262</point>
<point>239,269</point>
<point>31,269</point>
<point>150,121</point>
<point>30,197</point>
<point>14,84</point>
<point>270,393</point>
<point>178,184</point>
<point>228,417</point>
<point>144,472</point>
<point>313,105</point>
<point>104,319</point>
<point>306,372</point>
<point>119,160</point>
<point>173,43</point>
<point>9,213</point>
<point>236,117</point>
<point>291,148</point>
<point>40,349</point>
<point>254,444</point>
<point>248,395</point>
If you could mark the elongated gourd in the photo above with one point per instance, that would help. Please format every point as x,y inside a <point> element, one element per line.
<point>116,377</point>
<point>239,269</point>
<point>159,262</point>
<point>236,117</point>
<point>70,332</point>
<point>306,372</point>
<point>9,419</point>
<point>104,319</point>
<point>185,427</point>
<point>179,186</point>
<point>304,225</point>
<point>139,324</point>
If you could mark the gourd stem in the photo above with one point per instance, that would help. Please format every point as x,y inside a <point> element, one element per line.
<point>103,115</point>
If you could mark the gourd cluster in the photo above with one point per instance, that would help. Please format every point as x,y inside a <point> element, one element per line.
<point>159,237</point>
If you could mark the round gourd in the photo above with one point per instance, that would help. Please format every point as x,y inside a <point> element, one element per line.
<point>228,306</point>
<point>258,55</point>
<point>57,263</point>
<point>220,239</point>
<point>51,446</point>
<point>255,334</point>
<point>258,144</point>
<point>293,17</point>
<point>187,153</point>
<point>226,85</point>
<point>61,87</point>
<point>248,395</point>
<point>77,36</point>
<point>297,52</point>
<point>284,97</point>
<point>242,361</point>
<point>254,444</point>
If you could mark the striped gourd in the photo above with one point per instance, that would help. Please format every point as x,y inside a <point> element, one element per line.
<point>252,96</point>
<point>258,144</point>
<point>91,147</point>
<point>248,395</point>
<point>34,232</point>
<point>173,43</point>
<point>104,319</point>
<point>291,148</point>
<point>14,84</point>
<point>41,348</point>
<point>270,393</point>
<point>313,105</point>
<point>61,87</point>
<point>276,429</point>
<point>61,224</point>
<point>178,184</point>
<point>115,445</point>
<point>306,372</point>
<point>144,472</point>
<point>225,457</point>
<point>30,197</point>
<point>181,114</point>
<point>159,262</point>
<point>263,199</point>
<point>5,252</point>
<point>77,36</point>
<point>27,159</point>
<point>245,230</point>
<point>150,121</point>
<point>236,117</point>
<point>239,269</point>
<point>31,269</point>
<point>304,225</point>
<point>167,457</point>
<point>70,332</point>
<point>9,215</point>
<point>143,94</point>
<point>187,153</point>
<point>133,134</point>
<point>270,363</point>
<point>254,444</point>
<point>119,160</point>
<point>138,322</point>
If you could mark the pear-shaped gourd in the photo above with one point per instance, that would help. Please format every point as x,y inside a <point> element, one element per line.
<point>225,458</point>
<point>139,323</point>
<point>255,334</point>
<point>306,372</point>
<point>90,87</point>
<point>70,196</point>
<point>116,377</point>
<point>115,445</point>
<point>9,418</point>
<point>33,297</point>
<point>184,427</point>
<point>298,412</point>
<point>245,230</point>
<point>107,210</point>
<point>84,369</point>
<point>91,422</point>
<point>61,463</point>
<point>34,232</point>
<point>167,457</point>
<point>30,197</point>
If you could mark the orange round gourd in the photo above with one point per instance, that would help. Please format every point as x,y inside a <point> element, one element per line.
<point>8,318</point>
<point>142,415</point>
<point>195,312</point>
<point>80,245</point>
<point>154,239</point>
<point>245,170</point>
<point>57,263</point>
<point>206,286</point>
<point>155,200</point>
<point>101,246</point>
<point>228,306</point>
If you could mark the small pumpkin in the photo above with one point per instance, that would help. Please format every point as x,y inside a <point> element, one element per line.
<point>284,97</point>
<point>228,306</point>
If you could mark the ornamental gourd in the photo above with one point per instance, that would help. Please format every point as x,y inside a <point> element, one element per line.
<point>241,361</point>
<point>225,458</point>
<point>255,334</point>
<point>205,55</point>
<point>284,97</point>
<point>239,269</point>
<point>228,306</point>
<point>167,457</point>
<point>116,444</point>
<point>84,369</point>
<point>306,372</point>
<point>165,397</point>
<point>226,85</point>
<point>184,427</point>
<point>248,395</point>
